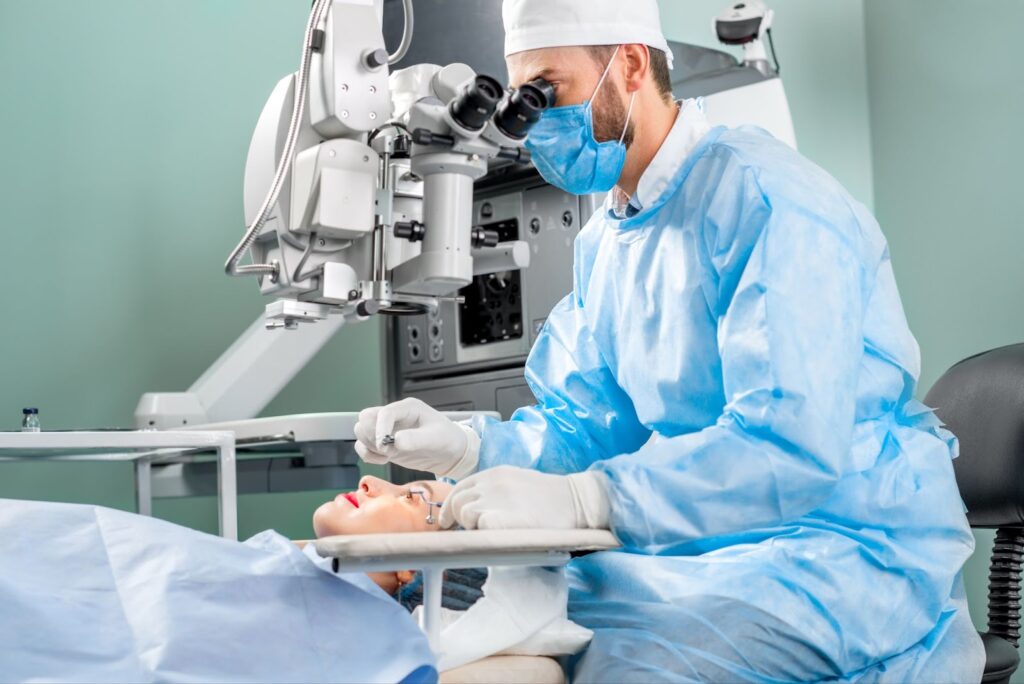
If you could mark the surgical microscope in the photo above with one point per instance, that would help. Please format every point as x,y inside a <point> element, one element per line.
<point>366,176</point>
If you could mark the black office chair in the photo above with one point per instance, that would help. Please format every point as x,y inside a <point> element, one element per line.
<point>981,400</point>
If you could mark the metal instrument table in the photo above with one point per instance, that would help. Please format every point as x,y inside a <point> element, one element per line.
<point>143,449</point>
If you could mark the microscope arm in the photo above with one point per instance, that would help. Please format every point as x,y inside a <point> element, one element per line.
<point>246,377</point>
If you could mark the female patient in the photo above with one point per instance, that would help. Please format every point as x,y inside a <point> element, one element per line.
<point>94,594</point>
<point>380,506</point>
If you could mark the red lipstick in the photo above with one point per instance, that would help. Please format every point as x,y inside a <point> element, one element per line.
<point>351,497</point>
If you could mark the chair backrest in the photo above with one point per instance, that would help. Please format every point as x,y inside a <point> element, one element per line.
<point>981,400</point>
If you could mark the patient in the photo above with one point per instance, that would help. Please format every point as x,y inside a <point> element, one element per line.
<point>379,506</point>
<point>95,594</point>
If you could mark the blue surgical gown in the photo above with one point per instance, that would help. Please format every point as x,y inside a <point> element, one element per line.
<point>735,359</point>
<point>89,594</point>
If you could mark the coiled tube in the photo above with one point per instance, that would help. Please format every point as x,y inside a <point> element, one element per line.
<point>403,47</point>
<point>232,267</point>
<point>1004,584</point>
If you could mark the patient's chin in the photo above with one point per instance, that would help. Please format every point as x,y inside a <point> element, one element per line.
<point>324,523</point>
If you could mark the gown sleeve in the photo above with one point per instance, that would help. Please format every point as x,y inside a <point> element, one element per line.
<point>582,413</point>
<point>788,280</point>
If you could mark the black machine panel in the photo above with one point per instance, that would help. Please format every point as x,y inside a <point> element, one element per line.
<point>447,31</point>
<point>493,306</point>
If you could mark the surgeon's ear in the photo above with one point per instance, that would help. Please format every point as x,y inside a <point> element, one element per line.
<point>405,576</point>
<point>636,60</point>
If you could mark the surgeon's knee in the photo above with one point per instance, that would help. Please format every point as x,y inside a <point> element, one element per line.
<point>702,639</point>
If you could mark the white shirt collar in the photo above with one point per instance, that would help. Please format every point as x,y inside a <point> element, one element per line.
<point>690,127</point>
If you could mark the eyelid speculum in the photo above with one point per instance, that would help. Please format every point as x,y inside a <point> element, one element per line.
<point>430,504</point>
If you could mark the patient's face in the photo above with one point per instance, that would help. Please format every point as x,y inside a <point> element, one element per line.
<point>379,506</point>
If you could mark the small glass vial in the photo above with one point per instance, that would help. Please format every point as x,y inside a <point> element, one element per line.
<point>30,420</point>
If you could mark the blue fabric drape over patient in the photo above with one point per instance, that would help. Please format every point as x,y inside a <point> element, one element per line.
<point>734,358</point>
<point>92,594</point>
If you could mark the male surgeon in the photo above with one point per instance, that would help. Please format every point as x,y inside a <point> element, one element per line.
<point>728,388</point>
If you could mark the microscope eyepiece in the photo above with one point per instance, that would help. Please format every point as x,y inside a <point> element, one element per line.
<point>476,102</point>
<point>545,90</point>
<point>517,115</point>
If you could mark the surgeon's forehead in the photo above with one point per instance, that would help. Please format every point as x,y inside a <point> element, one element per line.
<point>551,64</point>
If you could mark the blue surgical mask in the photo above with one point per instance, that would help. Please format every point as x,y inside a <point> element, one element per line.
<point>564,149</point>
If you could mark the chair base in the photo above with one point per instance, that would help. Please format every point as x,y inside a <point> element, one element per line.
<point>1001,659</point>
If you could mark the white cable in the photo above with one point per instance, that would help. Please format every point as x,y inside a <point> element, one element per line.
<point>232,267</point>
<point>403,47</point>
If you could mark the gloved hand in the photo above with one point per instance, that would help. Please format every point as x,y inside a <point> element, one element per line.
<point>424,439</point>
<point>507,497</point>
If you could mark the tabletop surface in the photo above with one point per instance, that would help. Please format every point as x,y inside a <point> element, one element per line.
<point>491,542</point>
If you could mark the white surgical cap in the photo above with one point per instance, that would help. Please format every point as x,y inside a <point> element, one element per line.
<point>532,24</point>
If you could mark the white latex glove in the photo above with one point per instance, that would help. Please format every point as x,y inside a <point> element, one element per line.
<point>424,439</point>
<point>507,497</point>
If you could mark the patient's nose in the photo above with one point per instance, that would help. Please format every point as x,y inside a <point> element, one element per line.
<point>373,486</point>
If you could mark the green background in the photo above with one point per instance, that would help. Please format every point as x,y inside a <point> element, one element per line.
<point>946,110</point>
<point>125,126</point>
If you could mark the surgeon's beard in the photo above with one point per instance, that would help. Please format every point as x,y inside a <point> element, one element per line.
<point>609,119</point>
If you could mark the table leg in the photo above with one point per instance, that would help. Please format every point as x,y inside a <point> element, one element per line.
<point>431,619</point>
<point>143,487</point>
<point>227,490</point>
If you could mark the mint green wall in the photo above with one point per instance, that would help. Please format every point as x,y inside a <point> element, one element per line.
<point>125,129</point>
<point>946,110</point>
<point>824,68</point>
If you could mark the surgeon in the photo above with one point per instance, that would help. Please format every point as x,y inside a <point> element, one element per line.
<point>728,388</point>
